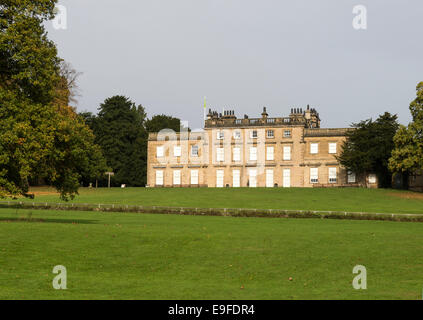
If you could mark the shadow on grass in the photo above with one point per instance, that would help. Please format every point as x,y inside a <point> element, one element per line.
<point>35,220</point>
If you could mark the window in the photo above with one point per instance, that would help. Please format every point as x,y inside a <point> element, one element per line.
<point>351,177</point>
<point>220,154</point>
<point>287,134</point>
<point>177,177</point>
<point>236,176</point>
<point>253,178</point>
<point>269,179</point>
<point>194,177</point>
<point>177,151</point>
<point>270,156</point>
<point>253,154</point>
<point>286,178</point>
<point>287,153</point>
<point>194,151</point>
<point>314,175</point>
<point>159,178</point>
<point>220,174</point>
<point>220,135</point>
<point>332,147</point>
<point>237,154</point>
<point>270,134</point>
<point>237,135</point>
<point>160,152</point>
<point>314,148</point>
<point>332,175</point>
<point>253,134</point>
<point>372,178</point>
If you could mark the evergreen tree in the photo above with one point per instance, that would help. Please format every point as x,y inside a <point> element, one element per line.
<point>160,122</point>
<point>368,148</point>
<point>119,130</point>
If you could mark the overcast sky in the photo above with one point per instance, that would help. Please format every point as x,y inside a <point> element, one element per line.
<point>243,55</point>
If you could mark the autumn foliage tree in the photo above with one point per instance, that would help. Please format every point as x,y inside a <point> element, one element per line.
<point>40,135</point>
<point>407,156</point>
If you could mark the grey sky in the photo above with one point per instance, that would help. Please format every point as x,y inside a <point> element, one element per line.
<point>243,55</point>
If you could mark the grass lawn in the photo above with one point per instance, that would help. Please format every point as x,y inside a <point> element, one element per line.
<point>330,199</point>
<point>143,256</point>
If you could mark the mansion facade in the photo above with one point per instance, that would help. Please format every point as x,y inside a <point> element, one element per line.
<point>252,152</point>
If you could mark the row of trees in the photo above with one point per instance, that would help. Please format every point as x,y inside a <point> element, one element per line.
<point>385,147</point>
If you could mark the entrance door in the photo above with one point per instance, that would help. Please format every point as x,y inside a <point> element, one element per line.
<point>286,178</point>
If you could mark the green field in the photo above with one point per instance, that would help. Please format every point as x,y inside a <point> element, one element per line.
<point>142,256</point>
<point>146,256</point>
<point>333,199</point>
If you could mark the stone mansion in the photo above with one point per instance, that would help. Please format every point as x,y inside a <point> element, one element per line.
<point>251,152</point>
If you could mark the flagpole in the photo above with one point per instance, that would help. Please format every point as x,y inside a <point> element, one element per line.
<point>205,107</point>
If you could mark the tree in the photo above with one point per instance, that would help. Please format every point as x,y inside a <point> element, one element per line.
<point>68,89</point>
<point>119,130</point>
<point>89,119</point>
<point>368,148</point>
<point>159,122</point>
<point>28,60</point>
<point>40,135</point>
<point>74,156</point>
<point>407,156</point>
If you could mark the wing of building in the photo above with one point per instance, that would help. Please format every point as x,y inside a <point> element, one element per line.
<point>252,152</point>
